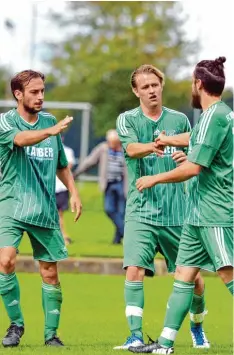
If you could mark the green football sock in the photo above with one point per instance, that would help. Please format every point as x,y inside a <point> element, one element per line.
<point>9,289</point>
<point>230,286</point>
<point>51,301</point>
<point>134,301</point>
<point>197,310</point>
<point>177,309</point>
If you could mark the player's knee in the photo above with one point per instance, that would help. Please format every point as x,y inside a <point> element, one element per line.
<point>185,274</point>
<point>49,274</point>
<point>199,284</point>
<point>135,273</point>
<point>7,263</point>
<point>179,273</point>
<point>50,278</point>
<point>226,273</point>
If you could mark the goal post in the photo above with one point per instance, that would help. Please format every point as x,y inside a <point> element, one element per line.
<point>85,109</point>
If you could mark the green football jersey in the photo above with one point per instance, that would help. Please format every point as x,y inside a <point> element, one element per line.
<point>27,186</point>
<point>211,146</point>
<point>161,205</point>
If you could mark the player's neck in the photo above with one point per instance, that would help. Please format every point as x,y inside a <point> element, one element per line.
<point>28,117</point>
<point>207,101</point>
<point>154,112</point>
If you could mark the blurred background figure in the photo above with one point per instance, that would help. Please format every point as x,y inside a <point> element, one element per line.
<point>112,178</point>
<point>62,194</point>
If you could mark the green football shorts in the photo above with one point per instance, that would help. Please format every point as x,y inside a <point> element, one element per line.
<point>143,241</point>
<point>47,244</point>
<point>208,248</point>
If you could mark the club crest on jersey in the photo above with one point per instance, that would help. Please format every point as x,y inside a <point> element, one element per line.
<point>47,141</point>
<point>171,133</point>
<point>157,132</point>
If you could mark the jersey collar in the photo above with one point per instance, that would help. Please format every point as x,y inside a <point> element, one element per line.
<point>148,118</point>
<point>215,103</point>
<point>25,122</point>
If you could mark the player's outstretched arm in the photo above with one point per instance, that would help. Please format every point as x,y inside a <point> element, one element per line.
<point>179,140</point>
<point>182,173</point>
<point>67,179</point>
<point>141,150</point>
<point>27,138</point>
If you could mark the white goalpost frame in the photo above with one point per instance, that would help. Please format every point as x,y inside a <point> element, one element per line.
<point>85,107</point>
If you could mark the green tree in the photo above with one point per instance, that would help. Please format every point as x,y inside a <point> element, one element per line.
<point>228,97</point>
<point>107,41</point>
<point>4,84</point>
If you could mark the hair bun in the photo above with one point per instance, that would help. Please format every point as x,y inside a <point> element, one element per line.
<point>220,60</point>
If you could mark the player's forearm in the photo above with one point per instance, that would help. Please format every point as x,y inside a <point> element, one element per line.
<point>27,138</point>
<point>139,150</point>
<point>182,173</point>
<point>180,140</point>
<point>67,179</point>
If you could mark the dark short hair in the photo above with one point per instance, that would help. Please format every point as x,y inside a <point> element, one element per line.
<point>211,73</point>
<point>22,79</point>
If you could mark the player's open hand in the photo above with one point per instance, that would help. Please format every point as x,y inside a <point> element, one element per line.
<point>145,182</point>
<point>61,126</point>
<point>76,206</point>
<point>179,156</point>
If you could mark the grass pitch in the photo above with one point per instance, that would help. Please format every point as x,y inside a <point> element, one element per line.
<point>93,320</point>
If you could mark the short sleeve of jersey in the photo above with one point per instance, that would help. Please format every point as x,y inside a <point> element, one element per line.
<point>209,137</point>
<point>187,125</point>
<point>126,131</point>
<point>62,159</point>
<point>186,128</point>
<point>8,130</point>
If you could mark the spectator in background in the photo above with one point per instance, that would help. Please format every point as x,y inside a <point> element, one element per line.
<point>109,157</point>
<point>62,194</point>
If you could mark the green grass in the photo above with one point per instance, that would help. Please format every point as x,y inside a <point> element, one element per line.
<point>93,233</point>
<point>93,320</point>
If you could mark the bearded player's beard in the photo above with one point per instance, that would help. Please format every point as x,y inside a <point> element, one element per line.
<point>196,101</point>
<point>31,110</point>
